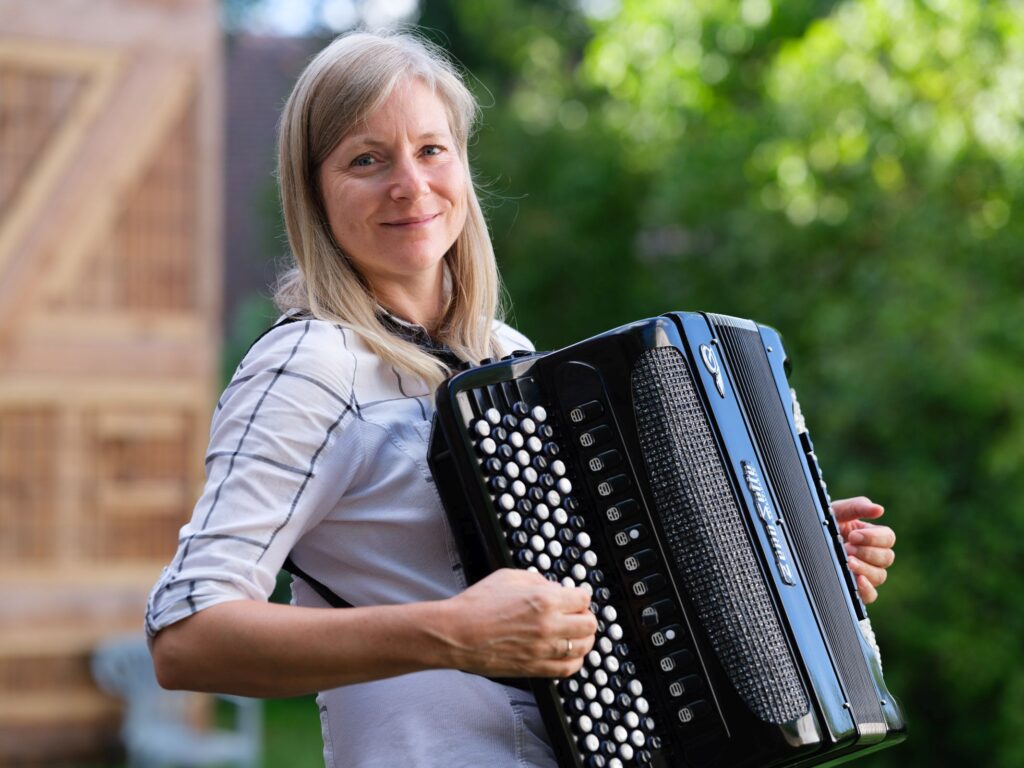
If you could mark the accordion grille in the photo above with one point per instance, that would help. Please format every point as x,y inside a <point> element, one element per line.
<point>708,540</point>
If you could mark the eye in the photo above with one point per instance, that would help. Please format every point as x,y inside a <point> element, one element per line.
<point>363,161</point>
<point>432,150</point>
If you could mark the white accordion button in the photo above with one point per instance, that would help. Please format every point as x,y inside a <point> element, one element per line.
<point>492,415</point>
<point>539,414</point>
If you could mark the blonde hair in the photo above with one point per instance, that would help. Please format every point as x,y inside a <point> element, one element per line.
<point>339,88</point>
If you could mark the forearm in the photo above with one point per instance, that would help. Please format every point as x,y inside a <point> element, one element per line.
<point>510,624</point>
<point>267,650</point>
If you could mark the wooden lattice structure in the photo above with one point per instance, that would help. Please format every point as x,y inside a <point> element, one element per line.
<point>110,259</point>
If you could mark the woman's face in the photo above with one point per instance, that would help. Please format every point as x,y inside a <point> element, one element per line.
<point>395,189</point>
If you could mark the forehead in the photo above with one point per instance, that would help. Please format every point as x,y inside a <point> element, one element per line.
<point>412,108</point>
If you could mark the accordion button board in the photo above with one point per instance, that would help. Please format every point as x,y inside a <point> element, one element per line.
<point>705,655</point>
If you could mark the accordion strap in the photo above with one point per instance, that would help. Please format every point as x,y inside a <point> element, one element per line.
<point>333,600</point>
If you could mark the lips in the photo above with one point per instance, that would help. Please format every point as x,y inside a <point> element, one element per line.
<point>411,221</point>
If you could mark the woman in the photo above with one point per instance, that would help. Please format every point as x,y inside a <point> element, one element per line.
<point>318,449</point>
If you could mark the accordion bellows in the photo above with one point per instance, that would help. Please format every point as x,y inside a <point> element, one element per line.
<point>664,467</point>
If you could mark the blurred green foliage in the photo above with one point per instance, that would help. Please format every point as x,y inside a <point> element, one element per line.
<point>849,172</point>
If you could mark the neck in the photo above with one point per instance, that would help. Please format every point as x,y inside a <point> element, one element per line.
<point>423,305</point>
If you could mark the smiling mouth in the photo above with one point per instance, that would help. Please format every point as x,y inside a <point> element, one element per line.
<point>412,221</point>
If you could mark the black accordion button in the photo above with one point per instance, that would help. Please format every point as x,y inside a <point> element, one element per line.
<point>586,412</point>
<point>596,436</point>
<point>648,585</point>
<point>695,711</point>
<point>690,685</point>
<point>667,636</point>
<point>656,613</point>
<point>643,560</point>
<point>680,661</point>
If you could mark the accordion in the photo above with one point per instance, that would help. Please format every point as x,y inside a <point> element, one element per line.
<point>666,465</point>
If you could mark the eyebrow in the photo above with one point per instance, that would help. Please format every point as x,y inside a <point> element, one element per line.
<point>370,141</point>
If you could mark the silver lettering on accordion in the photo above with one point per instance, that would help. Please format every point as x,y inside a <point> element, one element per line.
<point>676,689</point>
<point>576,415</point>
<point>586,439</point>
<point>639,589</point>
<point>595,464</point>
<point>622,539</point>
<point>667,664</point>
<point>766,512</point>
<point>685,715</point>
<point>707,354</point>
<point>631,563</point>
<point>604,489</point>
<point>613,514</point>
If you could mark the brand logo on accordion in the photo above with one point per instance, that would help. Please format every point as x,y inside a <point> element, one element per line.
<point>707,354</point>
<point>766,512</point>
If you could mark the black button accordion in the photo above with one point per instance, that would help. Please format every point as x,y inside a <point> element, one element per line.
<point>665,467</point>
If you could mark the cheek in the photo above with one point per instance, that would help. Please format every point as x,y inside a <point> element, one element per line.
<point>459,187</point>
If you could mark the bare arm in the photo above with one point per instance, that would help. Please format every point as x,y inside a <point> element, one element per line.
<point>512,623</point>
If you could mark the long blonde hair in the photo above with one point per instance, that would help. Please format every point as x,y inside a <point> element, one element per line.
<point>340,87</point>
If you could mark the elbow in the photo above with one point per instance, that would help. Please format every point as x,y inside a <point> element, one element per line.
<point>171,659</point>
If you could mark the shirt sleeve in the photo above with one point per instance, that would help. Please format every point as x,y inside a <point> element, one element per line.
<point>284,447</point>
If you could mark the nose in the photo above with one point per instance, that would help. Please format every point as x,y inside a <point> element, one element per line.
<point>409,180</point>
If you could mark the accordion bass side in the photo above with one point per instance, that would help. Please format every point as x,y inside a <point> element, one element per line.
<point>664,465</point>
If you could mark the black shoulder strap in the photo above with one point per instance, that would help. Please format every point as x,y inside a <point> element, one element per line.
<point>332,599</point>
<point>283,321</point>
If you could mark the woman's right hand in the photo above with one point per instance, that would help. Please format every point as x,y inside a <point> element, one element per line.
<point>516,623</point>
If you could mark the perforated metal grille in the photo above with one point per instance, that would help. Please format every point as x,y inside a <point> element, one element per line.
<point>707,539</point>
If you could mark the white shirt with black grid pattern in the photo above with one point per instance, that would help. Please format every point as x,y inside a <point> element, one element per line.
<point>318,448</point>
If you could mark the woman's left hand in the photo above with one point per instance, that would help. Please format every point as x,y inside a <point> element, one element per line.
<point>868,547</point>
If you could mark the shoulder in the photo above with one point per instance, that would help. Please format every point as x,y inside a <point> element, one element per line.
<point>511,339</point>
<point>333,357</point>
<point>301,357</point>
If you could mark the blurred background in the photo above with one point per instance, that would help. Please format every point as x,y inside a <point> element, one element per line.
<point>848,171</point>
